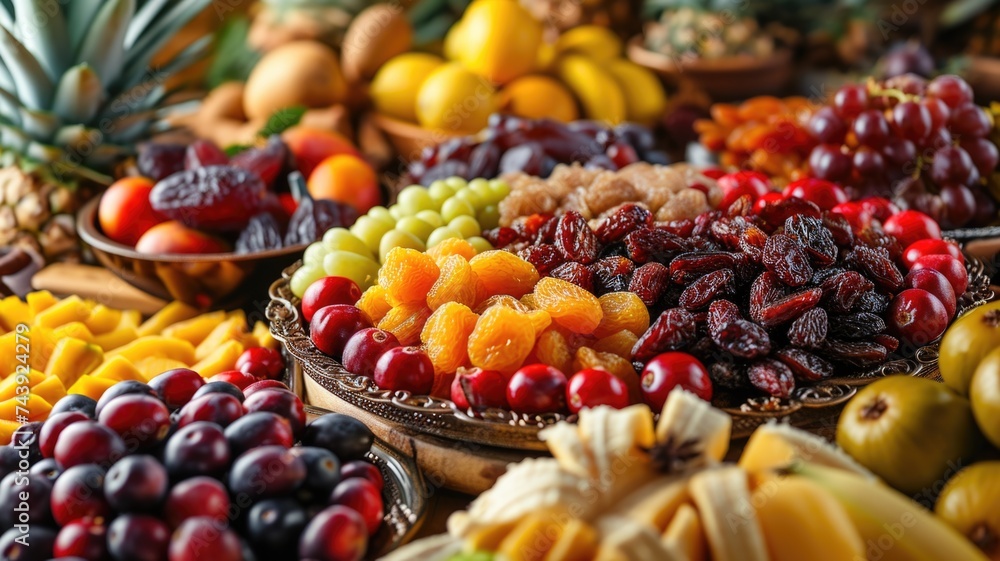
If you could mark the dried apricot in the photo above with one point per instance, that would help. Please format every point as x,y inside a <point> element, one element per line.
<point>446,337</point>
<point>374,304</point>
<point>553,349</point>
<point>569,305</point>
<point>501,340</point>
<point>622,310</point>
<point>620,367</point>
<point>540,319</point>
<point>504,300</point>
<point>405,322</point>
<point>502,272</point>
<point>449,247</point>
<point>619,343</point>
<point>407,276</point>
<point>529,301</point>
<point>457,283</point>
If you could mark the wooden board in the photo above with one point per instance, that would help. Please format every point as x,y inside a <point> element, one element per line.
<point>96,283</point>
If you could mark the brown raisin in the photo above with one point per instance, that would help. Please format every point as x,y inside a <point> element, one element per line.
<point>743,339</point>
<point>628,218</point>
<point>804,365</point>
<point>817,240</point>
<point>876,264</point>
<point>809,330</point>
<point>545,257</point>
<point>612,274</point>
<point>575,273</point>
<point>856,353</point>
<point>788,259</point>
<point>860,325</point>
<point>890,343</point>
<point>765,290</point>
<point>682,228</point>
<point>703,291</point>
<point>547,233</point>
<point>841,291</point>
<point>575,239</point>
<point>650,244</point>
<point>788,308</point>
<point>773,215</point>
<point>742,206</point>
<point>752,243</point>
<point>649,282</point>
<point>875,237</point>
<point>688,267</point>
<point>839,228</point>
<point>772,377</point>
<point>673,330</point>
<point>501,237</point>
<point>703,223</point>
<point>728,231</point>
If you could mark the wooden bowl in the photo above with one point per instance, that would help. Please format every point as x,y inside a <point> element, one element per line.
<point>410,139</point>
<point>204,281</point>
<point>724,79</point>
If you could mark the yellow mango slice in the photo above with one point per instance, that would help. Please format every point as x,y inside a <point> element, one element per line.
<point>118,368</point>
<point>119,337</point>
<point>103,319</point>
<point>156,345</point>
<point>578,542</point>
<point>169,315</point>
<point>91,387</point>
<point>234,328</point>
<point>531,539</point>
<point>38,301</point>
<point>8,387</point>
<point>7,429</point>
<point>154,366</point>
<point>50,389</point>
<point>36,346</point>
<point>132,318</point>
<point>12,312</point>
<point>262,332</point>
<point>74,329</point>
<point>28,405</point>
<point>488,538</point>
<point>73,358</point>
<point>222,359</point>
<point>196,329</point>
<point>65,311</point>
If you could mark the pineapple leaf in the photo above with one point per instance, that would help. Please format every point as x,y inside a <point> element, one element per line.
<point>143,18</point>
<point>10,107</point>
<point>44,152</point>
<point>6,80</point>
<point>191,54</point>
<point>39,125</point>
<point>13,138</point>
<point>43,33</point>
<point>159,33</point>
<point>103,47</point>
<point>79,95</point>
<point>80,14</point>
<point>7,15</point>
<point>33,85</point>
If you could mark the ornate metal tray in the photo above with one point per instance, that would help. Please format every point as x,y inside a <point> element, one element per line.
<point>813,407</point>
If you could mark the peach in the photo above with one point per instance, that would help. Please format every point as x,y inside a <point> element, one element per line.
<point>346,179</point>
<point>125,213</point>
<point>174,237</point>
<point>310,146</point>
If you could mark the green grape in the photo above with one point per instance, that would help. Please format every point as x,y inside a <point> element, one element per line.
<point>415,226</point>
<point>314,254</point>
<point>431,217</point>
<point>304,277</point>
<point>414,199</point>
<point>500,189</point>
<point>343,239</point>
<point>440,192</point>
<point>480,244</point>
<point>455,207</point>
<point>370,230</point>
<point>441,234</point>
<point>382,213</point>
<point>362,270</point>
<point>398,212</point>
<point>456,183</point>
<point>466,225</point>
<point>396,239</point>
<point>474,199</point>
<point>481,187</point>
<point>489,217</point>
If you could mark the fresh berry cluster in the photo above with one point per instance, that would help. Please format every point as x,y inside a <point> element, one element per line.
<point>181,469</point>
<point>512,144</point>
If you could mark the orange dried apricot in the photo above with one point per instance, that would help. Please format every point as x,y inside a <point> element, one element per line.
<point>553,349</point>
<point>569,305</point>
<point>504,300</point>
<point>502,272</point>
<point>407,276</point>
<point>501,340</point>
<point>620,367</point>
<point>620,343</point>
<point>622,310</point>
<point>529,301</point>
<point>446,337</point>
<point>374,304</point>
<point>449,247</point>
<point>456,283</point>
<point>405,322</point>
<point>540,319</point>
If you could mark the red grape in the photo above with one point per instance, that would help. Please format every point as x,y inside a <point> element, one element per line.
<point>950,89</point>
<point>850,100</point>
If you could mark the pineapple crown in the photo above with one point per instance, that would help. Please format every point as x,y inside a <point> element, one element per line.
<point>77,89</point>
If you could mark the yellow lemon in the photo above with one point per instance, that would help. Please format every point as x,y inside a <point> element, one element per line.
<point>454,41</point>
<point>645,100</point>
<point>538,97</point>
<point>394,88</point>
<point>454,99</point>
<point>499,40</point>
<point>595,41</point>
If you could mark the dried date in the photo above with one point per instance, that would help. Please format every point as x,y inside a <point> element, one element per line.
<point>772,377</point>
<point>627,218</point>
<point>673,330</point>
<point>650,282</point>
<point>651,244</point>
<point>743,339</point>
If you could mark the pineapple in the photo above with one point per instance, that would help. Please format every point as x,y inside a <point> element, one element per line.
<point>77,92</point>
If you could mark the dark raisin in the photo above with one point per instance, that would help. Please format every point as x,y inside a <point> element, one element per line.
<point>752,242</point>
<point>686,268</point>
<point>872,301</point>
<point>839,228</point>
<point>860,325</point>
<point>877,265</point>
<point>788,259</point>
<point>703,291</point>
<point>728,375</point>
<point>788,308</point>
<point>547,233</point>
<point>575,273</point>
<point>649,282</point>
<point>875,237</point>
<point>682,228</point>
<point>612,274</point>
<point>743,338</point>
<point>616,249</point>
<point>720,314</point>
<point>673,330</point>
<point>501,237</point>
<point>809,330</point>
<point>765,290</point>
<point>773,215</point>
<point>817,240</point>
<point>841,291</point>
<point>703,223</point>
<point>545,257</point>
<point>627,218</point>
<point>575,239</point>
<point>804,365</point>
<point>822,274</point>
<point>772,377</point>
<point>857,353</point>
<point>729,231</point>
<point>649,244</point>
<point>261,234</point>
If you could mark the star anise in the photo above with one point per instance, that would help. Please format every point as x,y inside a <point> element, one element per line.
<point>671,456</point>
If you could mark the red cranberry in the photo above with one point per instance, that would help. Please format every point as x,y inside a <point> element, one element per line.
<point>204,538</point>
<point>36,509</point>
<point>364,470</point>
<point>335,534</point>
<point>935,283</point>
<point>917,316</point>
<point>822,193</point>
<point>235,377</point>
<point>262,363</point>
<point>88,442</point>
<point>592,387</point>
<point>910,226</point>
<point>951,268</point>
<point>768,199</point>
<point>329,291</point>
<point>266,471</point>
<point>175,387</point>
<point>263,385</point>
<point>735,185</point>
<point>219,408</point>
<point>855,213</point>
<point>669,370</point>
<point>363,497</point>
<point>278,401</point>
<point>53,426</point>
<point>259,429</point>
<point>879,208</point>
<point>138,537</point>
<point>197,449</point>
<point>142,421</point>
<point>136,484</point>
<point>212,388</point>
<point>196,497</point>
<point>537,388</point>
<point>479,389</point>
<point>127,387</point>
<point>332,326</point>
<point>364,348</point>
<point>348,438</point>
<point>79,493</point>
<point>918,249</point>
<point>405,369</point>
<point>83,538</point>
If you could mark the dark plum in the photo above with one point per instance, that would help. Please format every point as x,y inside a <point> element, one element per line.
<point>266,471</point>
<point>75,402</point>
<point>363,497</point>
<point>136,484</point>
<point>121,388</point>
<point>36,510</point>
<point>142,421</point>
<point>337,533</point>
<point>26,439</point>
<point>259,429</point>
<point>227,388</point>
<point>53,426</point>
<point>274,525</point>
<point>88,442</point>
<point>322,471</point>
<point>203,538</point>
<point>9,460</point>
<point>176,387</point>
<point>280,402</point>
<point>219,408</point>
<point>48,468</point>
<point>197,449</point>
<point>364,470</point>
<point>39,546</point>
<point>137,537</point>
<point>348,438</point>
<point>199,496</point>
<point>79,493</point>
<point>84,538</point>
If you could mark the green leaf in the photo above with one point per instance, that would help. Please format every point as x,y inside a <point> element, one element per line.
<point>10,107</point>
<point>104,46</point>
<point>236,149</point>
<point>39,125</point>
<point>34,87</point>
<point>233,59</point>
<point>143,17</point>
<point>282,120</point>
<point>79,95</point>
<point>163,29</point>
<point>79,15</point>
<point>43,32</point>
